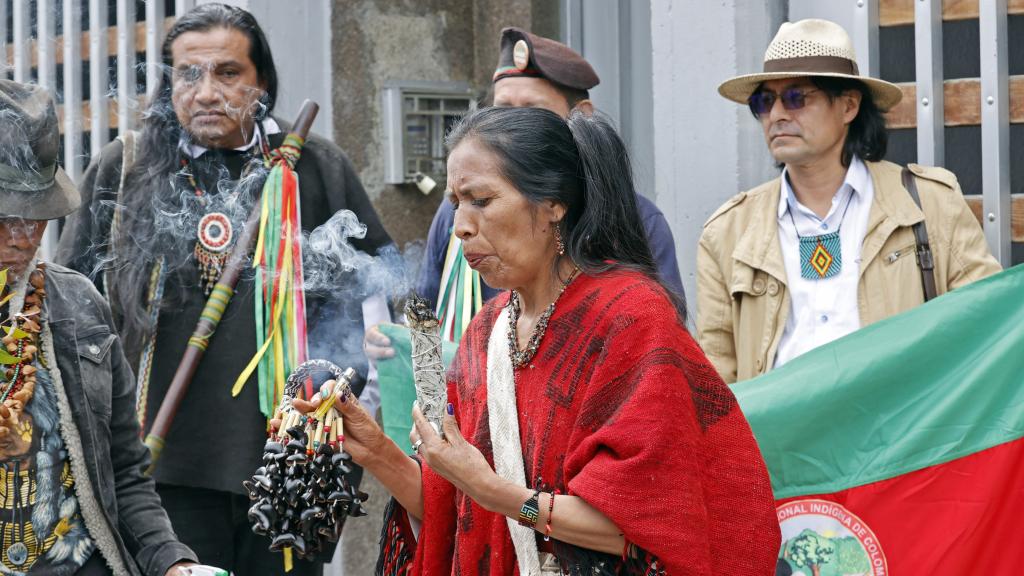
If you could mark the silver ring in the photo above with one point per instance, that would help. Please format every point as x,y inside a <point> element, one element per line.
<point>416,446</point>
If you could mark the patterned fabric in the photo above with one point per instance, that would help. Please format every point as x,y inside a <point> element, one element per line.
<point>40,522</point>
<point>820,256</point>
<point>622,410</point>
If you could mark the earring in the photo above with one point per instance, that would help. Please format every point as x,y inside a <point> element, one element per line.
<point>559,245</point>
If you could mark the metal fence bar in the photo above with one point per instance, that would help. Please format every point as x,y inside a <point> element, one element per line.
<point>571,16</point>
<point>865,37</point>
<point>931,147</point>
<point>126,79</point>
<point>995,127</point>
<point>3,38</point>
<point>73,88</point>
<point>22,43</point>
<point>46,76</point>
<point>46,46</point>
<point>183,6</point>
<point>154,37</point>
<point>99,76</point>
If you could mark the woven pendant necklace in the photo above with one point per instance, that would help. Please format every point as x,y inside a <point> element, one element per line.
<point>821,256</point>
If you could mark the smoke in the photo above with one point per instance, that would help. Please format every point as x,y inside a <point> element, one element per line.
<point>164,199</point>
<point>343,277</point>
<point>179,181</point>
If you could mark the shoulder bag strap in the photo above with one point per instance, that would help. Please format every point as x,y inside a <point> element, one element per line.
<point>127,161</point>
<point>154,292</point>
<point>924,251</point>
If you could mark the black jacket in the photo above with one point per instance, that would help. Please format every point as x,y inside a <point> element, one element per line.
<point>96,388</point>
<point>216,440</point>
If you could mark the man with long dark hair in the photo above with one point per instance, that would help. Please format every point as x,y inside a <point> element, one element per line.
<point>159,210</point>
<point>834,243</point>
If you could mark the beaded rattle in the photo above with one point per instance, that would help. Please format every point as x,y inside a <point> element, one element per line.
<point>300,495</point>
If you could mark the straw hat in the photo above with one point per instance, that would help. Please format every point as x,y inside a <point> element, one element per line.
<point>810,48</point>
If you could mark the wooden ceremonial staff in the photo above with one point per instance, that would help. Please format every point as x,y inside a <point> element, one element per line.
<point>218,301</point>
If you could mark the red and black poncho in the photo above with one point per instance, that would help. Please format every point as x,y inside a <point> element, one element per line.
<point>621,408</point>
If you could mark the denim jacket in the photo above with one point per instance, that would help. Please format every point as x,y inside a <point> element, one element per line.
<point>96,390</point>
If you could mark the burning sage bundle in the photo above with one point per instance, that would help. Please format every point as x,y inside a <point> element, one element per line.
<point>427,369</point>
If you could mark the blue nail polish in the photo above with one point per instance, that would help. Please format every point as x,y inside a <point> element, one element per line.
<point>451,409</point>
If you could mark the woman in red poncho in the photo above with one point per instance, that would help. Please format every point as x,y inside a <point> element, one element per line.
<point>587,433</point>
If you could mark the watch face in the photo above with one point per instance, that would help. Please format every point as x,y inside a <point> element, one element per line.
<point>521,54</point>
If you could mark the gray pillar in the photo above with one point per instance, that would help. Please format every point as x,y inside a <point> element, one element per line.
<point>706,148</point>
<point>615,37</point>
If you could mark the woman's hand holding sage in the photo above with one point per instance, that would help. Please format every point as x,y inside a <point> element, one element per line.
<point>453,457</point>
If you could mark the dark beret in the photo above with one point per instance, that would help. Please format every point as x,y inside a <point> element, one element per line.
<point>525,54</point>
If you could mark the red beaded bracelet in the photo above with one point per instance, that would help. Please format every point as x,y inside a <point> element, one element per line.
<point>551,511</point>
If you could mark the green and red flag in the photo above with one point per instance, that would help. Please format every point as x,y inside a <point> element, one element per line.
<point>899,449</point>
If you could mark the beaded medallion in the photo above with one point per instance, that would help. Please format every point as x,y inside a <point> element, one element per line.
<point>214,235</point>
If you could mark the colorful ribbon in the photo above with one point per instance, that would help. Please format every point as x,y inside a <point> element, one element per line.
<point>280,299</point>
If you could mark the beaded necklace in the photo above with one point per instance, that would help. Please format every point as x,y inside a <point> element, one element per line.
<point>821,256</point>
<point>21,340</point>
<point>522,357</point>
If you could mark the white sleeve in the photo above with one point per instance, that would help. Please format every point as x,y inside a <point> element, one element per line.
<point>375,311</point>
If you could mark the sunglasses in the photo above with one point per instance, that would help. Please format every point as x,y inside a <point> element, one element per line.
<point>762,102</point>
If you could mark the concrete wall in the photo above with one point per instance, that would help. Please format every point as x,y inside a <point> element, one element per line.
<point>706,148</point>
<point>434,40</point>
<point>615,37</point>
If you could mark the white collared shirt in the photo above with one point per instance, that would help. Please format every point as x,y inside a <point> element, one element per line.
<point>822,310</point>
<point>270,126</point>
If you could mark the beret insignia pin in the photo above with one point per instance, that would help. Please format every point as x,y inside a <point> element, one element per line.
<point>521,54</point>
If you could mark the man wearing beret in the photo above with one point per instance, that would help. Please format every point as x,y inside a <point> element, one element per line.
<point>75,499</point>
<point>842,238</point>
<point>532,72</point>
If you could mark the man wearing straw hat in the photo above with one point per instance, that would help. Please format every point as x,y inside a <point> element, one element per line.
<point>75,500</point>
<point>842,238</point>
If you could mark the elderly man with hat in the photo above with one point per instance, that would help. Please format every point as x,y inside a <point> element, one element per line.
<point>532,72</point>
<point>76,500</point>
<point>842,238</point>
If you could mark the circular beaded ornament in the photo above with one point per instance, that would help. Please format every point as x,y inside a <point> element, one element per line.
<point>214,235</point>
<point>215,232</point>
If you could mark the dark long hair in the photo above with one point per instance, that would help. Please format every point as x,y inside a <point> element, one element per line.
<point>867,138</point>
<point>580,163</point>
<point>148,183</point>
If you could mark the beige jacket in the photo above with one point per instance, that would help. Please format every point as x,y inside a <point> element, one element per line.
<point>742,301</point>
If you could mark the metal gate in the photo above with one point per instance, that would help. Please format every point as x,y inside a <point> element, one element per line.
<point>92,55</point>
<point>935,101</point>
